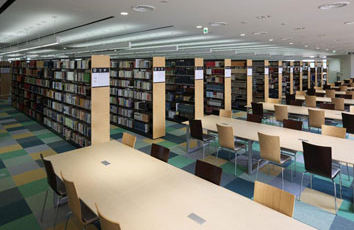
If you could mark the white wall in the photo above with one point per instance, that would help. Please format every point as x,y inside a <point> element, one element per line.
<point>344,64</point>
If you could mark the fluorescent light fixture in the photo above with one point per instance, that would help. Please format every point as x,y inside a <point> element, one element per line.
<point>124,13</point>
<point>333,5</point>
<point>174,40</point>
<point>242,35</point>
<point>270,39</point>
<point>54,41</point>
<point>122,45</point>
<point>199,27</point>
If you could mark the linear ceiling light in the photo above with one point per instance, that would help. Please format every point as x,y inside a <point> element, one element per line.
<point>51,42</point>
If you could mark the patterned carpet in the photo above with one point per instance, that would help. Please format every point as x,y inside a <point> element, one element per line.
<point>23,180</point>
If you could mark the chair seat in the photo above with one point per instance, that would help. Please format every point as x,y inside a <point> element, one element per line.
<point>207,137</point>
<point>88,216</point>
<point>60,187</point>
<point>284,158</point>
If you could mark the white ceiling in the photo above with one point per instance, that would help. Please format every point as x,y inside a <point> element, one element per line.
<point>320,31</point>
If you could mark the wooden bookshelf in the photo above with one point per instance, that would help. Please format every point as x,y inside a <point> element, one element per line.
<point>260,80</point>
<point>288,77</point>
<point>184,89</point>
<point>306,75</point>
<point>217,85</point>
<point>275,79</point>
<point>313,74</point>
<point>138,95</point>
<point>297,77</point>
<point>57,93</point>
<point>239,85</point>
<point>5,79</point>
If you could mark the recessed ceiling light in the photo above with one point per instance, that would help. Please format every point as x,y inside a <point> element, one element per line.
<point>242,35</point>
<point>291,43</point>
<point>216,24</point>
<point>327,49</point>
<point>259,33</point>
<point>299,28</point>
<point>306,46</point>
<point>199,27</point>
<point>124,13</point>
<point>349,23</point>
<point>264,17</point>
<point>143,8</point>
<point>312,56</point>
<point>287,39</point>
<point>333,5</point>
<point>317,48</point>
<point>270,39</point>
<point>333,51</point>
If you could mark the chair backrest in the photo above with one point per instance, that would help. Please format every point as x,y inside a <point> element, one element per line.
<point>346,96</point>
<point>273,100</point>
<point>296,102</point>
<point>318,88</point>
<point>352,84</point>
<point>51,177</point>
<point>311,92</point>
<point>129,139</point>
<point>300,93</point>
<point>327,106</point>
<point>337,83</point>
<point>343,88</point>
<point>350,93</point>
<point>107,224</point>
<point>226,136</point>
<point>196,129</point>
<point>269,147</point>
<point>338,103</point>
<point>73,197</point>
<point>225,113</point>
<point>274,198</point>
<point>331,93</point>
<point>318,159</point>
<point>257,108</point>
<point>254,118</point>
<point>334,131</point>
<point>327,86</point>
<point>160,152</point>
<point>320,94</point>
<point>281,112</point>
<point>208,172</point>
<point>348,122</point>
<point>351,109</point>
<point>310,101</point>
<point>316,118</point>
<point>292,124</point>
<point>289,97</point>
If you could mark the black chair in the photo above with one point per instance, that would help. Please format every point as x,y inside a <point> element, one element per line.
<point>327,106</point>
<point>296,102</point>
<point>289,98</point>
<point>348,122</point>
<point>318,160</point>
<point>292,124</point>
<point>196,132</point>
<point>208,172</point>
<point>311,92</point>
<point>254,118</point>
<point>56,184</point>
<point>326,87</point>
<point>257,109</point>
<point>346,96</point>
<point>347,81</point>
<point>160,152</point>
<point>320,94</point>
<point>338,83</point>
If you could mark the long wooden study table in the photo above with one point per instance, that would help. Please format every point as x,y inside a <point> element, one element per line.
<point>326,99</point>
<point>141,192</point>
<point>336,92</point>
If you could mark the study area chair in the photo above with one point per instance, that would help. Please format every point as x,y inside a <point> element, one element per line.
<point>343,88</point>
<point>329,106</point>
<point>296,102</point>
<point>311,92</point>
<point>320,94</point>
<point>338,103</point>
<point>289,97</point>
<point>318,161</point>
<point>56,184</point>
<point>310,101</point>
<point>196,132</point>
<point>331,93</point>
<point>105,223</point>
<point>351,93</point>
<point>351,109</point>
<point>160,152</point>
<point>208,172</point>
<point>273,100</point>
<point>254,118</point>
<point>227,142</point>
<point>326,87</point>
<point>274,198</point>
<point>346,96</point>
<point>300,93</point>
<point>281,113</point>
<point>225,113</point>
<point>316,119</point>
<point>257,109</point>
<point>77,206</point>
<point>270,151</point>
<point>292,124</point>
<point>129,139</point>
<point>348,122</point>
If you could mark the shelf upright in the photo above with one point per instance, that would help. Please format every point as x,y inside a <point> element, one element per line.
<point>240,86</point>
<point>275,79</point>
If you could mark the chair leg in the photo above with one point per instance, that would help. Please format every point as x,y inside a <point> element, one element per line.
<point>282,178</point>
<point>291,174</point>
<point>257,169</point>
<point>235,163</point>
<point>295,164</point>
<point>340,184</point>
<point>302,180</point>
<point>335,196</point>
<point>67,219</point>
<point>217,153</point>
<point>56,212</point>
<point>348,171</point>
<point>44,203</point>
<point>203,151</point>
<point>311,181</point>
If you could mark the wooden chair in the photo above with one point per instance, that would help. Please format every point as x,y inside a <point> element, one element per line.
<point>329,106</point>
<point>225,113</point>
<point>77,206</point>
<point>56,184</point>
<point>350,93</point>
<point>281,112</point>
<point>196,132</point>
<point>338,103</point>
<point>318,88</point>
<point>351,109</point>
<point>310,101</point>
<point>254,118</point>
<point>129,139</point>
<point>318,160</point>
<point>160,152</point>
<point>270,151</point>
<point>208,172</point>
<point>343,88</point>
<point>300,93</point>
<point>289,97</point>
<point>274,198</point>
<point>107,224</point>
<point>334,131</point>
<point>331,93</point>
<point>227,142</point>
<point>320,94</point>
<point>296,102</point>
<point>316,118</point>
<point>292,124</point>
<point>273,100</point>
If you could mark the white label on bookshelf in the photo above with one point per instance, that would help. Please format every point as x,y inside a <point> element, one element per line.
<point>266,71</point>
<point>199,74</point>
<point>281,70</point>
<point>291,69</point>
<point>227,73</point>
<point>300,69</point>
<point>100,77</point>
<point>159,76</point>
<point>249,72</point>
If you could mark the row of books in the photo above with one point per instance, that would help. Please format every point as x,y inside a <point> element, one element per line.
<point>77,101</point>
<point>35,81</point>
<point>76,137</point>
<point>217,95</point>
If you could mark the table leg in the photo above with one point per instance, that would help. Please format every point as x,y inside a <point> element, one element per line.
<point>188,138</point>
<point>250,162</point>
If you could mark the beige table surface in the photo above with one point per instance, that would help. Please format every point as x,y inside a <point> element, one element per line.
<point>143,193</point>
<point>336,92</point>
<point>326,99</point>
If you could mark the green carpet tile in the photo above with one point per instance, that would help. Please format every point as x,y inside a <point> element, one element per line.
<point>23,179</point>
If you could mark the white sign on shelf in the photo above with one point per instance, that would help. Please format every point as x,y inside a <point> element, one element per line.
<point>199,74</point>
<point>159,75</point>
<point>100,77</point>
<point>291,69</point>
<point>280,70</point>
<point>249,72</point>
<point>227,73</point>
<point>300,69</point>
<point>266,71</point>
